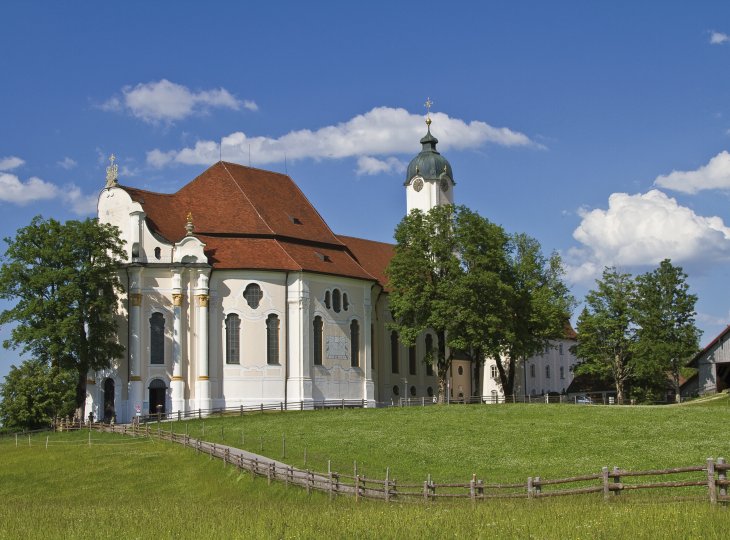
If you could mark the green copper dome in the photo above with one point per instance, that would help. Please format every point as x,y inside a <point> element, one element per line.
<point>429,164</point>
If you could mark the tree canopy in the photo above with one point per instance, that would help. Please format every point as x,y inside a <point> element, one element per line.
<point>34,394</point>
<point>638,331</point>
<point>665,319</point>
<point>63,281</point>
<point>483,293</point>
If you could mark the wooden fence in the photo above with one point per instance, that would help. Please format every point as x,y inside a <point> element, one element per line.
<point>712,476</point>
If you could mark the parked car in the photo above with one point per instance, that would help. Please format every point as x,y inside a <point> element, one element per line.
<point>583,400</point>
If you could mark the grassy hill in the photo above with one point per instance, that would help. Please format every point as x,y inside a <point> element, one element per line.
<point>126,488</point>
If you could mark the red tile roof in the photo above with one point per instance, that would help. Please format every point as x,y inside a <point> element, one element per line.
<point>255,219</point>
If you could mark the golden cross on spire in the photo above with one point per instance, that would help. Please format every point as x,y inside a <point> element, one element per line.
<point>428,110</point>
<point>111,172</point>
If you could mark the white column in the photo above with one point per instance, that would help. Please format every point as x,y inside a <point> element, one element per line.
<point>177,385</point>
<point>368,385</point>
<point>136,395</point>
<point>201,300</point>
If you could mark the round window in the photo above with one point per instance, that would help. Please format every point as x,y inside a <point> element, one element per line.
<point>396,390</point>
<point>413,391</point>
<point>461,370</point>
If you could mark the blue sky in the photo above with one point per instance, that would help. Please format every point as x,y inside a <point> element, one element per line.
<point>601,129</point>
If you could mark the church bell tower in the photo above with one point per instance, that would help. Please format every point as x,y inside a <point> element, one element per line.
<point>429,179</point>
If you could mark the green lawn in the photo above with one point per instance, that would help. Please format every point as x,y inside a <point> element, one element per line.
<point>126,488</point>
<point>498,443</point>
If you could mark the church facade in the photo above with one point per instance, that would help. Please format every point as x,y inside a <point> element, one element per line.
<point>238,293</point>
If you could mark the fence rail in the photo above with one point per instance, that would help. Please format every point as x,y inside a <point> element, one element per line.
<point>712,476</point>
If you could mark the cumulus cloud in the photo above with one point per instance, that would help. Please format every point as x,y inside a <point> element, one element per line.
<point>9,163</point>
<point>15,191</point>
<point>368,165</point>
<point>644,229</point>
<point>381,131</point>
<point>714,175</point>
<point>67,163</point>
<point>166,101</point>
<point>718,38</point>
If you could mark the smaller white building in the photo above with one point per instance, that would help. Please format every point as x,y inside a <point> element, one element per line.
<point>543,374</point>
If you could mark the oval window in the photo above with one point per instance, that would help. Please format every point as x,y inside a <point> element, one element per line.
<point>396,390</point>
<point>413,391</point>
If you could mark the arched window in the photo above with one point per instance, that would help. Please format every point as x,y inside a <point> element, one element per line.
<point>354,344</point>
<point>327,302</point>
<point>394,351</point>
<point>345,302</point>
<point>493,371</point>
<point>157,338</point>
<point>272,339</point>
<point>233,333</point>
<point>532,370</point>
<point>429,354</point>
<point>547,372</point>
<point>412,359</point>
<point>317,339</point>
<point>158,253</point>
<point>336,300</point>
<point>562,372</point>
<point>253,295</point>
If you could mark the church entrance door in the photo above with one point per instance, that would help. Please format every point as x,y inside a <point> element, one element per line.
<point>158,391</point>
<point>108,399</point>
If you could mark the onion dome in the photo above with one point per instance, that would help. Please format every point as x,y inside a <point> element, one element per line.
<point>429,164</point>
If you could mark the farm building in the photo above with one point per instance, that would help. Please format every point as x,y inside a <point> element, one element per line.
<point>713,367</point>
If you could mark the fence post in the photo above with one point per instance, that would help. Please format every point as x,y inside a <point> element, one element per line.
<point>711,486</point>
<point>604,476</point>
<point>616,481</point>
<point>241,410</point>
<point>357,487</point>
<point>386,486</point>
<point>480,488</point>
<point>281,403</point>
<point>306,481</point>
<point>529,487</point>
<point>200,414</point>
<point>722,476</point>
<point>472,487</point>
<point>536,486</point>
<point>329,477</point>
<point>268,474</point>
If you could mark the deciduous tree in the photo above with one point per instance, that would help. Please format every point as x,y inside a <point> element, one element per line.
<point>665,316</point>
<point>539,306</point>
<point>606,330</point>
<point>62,279</point>
<point>34,394</point>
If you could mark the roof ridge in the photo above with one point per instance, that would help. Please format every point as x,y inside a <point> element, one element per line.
<point>223,164</point>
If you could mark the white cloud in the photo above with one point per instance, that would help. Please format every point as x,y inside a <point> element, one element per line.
<point>714,175</point>
<point>644,229</point>
<point>368,165</point>
<point>165,101</point>
<point>381,131</point>
<point>67,163</point>
<point>14,191</point>
<point>80,203</point>
<point>718,38</point>
<point>9,163</point>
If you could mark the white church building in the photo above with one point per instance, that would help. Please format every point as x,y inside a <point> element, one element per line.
<point>238,293</point>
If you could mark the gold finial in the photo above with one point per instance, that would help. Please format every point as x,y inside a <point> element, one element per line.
<point>189,227</point>
<point>428,110</point>
<point>111,172</point>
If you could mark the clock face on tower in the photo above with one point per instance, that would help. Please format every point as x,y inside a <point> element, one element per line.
<point>418,184</point>
<point>444,185</point>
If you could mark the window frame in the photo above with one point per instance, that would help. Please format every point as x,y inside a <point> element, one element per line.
<point>157,338</point>
<point>233,336</point>
<point>272,340</point>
